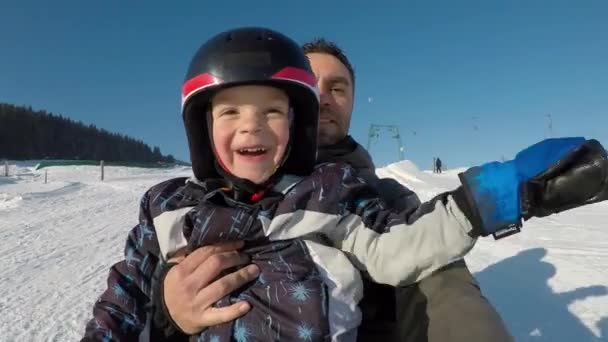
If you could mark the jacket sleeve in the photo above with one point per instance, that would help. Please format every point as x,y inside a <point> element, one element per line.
<point>120,312</point>
<point>393,193</point>
<point>399,245</point>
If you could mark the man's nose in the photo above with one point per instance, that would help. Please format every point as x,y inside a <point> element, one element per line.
<point>325,98</point>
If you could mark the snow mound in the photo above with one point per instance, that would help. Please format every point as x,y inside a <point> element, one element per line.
<point>425,183</point>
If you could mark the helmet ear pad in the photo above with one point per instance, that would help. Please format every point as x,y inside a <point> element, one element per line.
<point>199,140</point>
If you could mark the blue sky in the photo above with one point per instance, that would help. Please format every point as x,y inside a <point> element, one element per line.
<point>439,69</point>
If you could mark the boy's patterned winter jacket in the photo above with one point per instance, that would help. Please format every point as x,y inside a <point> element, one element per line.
<point>305,235</point>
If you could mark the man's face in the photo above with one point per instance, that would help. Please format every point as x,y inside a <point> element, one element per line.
<point>336,91</point>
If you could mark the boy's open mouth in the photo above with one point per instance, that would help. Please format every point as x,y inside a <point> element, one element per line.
<point>254,151</point>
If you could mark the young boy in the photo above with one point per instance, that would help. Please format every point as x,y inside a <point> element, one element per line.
<point>250,108</point>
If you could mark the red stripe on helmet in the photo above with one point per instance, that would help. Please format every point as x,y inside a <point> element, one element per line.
<point>298,75</point>
<point>198,82</point>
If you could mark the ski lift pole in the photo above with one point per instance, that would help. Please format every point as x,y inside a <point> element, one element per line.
<point>102,173</point>
<point>398,137</point>
<point>369,137</point>
<point>374,131</point>
<point>6,168</point>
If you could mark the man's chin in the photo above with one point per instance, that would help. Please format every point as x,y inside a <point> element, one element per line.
<point>324,139</point>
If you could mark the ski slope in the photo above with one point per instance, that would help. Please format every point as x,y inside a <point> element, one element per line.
<point>58,240</point>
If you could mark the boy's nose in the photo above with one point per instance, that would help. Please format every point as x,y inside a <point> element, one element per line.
<point>250,125</point>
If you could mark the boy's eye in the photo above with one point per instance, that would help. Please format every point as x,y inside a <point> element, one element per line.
<point>275,111</point>
<point>229,112</point>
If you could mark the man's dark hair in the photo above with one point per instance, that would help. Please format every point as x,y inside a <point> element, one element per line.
<point>320,45</point>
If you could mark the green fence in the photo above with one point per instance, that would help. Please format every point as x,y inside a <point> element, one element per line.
<point>47,163</point>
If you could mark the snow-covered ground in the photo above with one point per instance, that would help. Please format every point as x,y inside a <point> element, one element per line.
<point>58,240</point>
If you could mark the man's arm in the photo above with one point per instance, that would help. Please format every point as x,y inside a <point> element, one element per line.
<point>395,194</point>
<point>389,244</point>
<point>402,247</point>
<point>549,177</point>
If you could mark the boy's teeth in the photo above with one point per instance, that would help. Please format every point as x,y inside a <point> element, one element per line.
<point>252,150</point>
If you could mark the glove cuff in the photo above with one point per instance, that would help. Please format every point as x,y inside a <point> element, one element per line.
<point>492,190</point>
<point>465,203</point>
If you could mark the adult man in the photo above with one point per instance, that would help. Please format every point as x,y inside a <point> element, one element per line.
<point>447,306</point>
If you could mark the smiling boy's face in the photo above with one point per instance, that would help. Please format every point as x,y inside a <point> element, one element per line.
<point>250,130</point>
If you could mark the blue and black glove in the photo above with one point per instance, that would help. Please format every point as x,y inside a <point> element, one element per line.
<point>546,178</point>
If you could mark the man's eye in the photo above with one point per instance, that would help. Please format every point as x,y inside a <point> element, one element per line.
<point>337,90</point>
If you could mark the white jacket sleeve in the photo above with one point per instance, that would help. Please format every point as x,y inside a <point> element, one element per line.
<point>391,246</point>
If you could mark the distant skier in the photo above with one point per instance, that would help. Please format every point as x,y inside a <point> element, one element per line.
<point>438,165</point>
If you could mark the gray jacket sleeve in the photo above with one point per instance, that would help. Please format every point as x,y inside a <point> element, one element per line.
<point>394,194</point>
<point>396,246</point>
<point>401,243</point>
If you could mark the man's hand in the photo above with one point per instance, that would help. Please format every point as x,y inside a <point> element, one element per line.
<point>191,288</point>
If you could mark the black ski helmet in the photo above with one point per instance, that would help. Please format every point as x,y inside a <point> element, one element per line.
<point>251,55</point>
